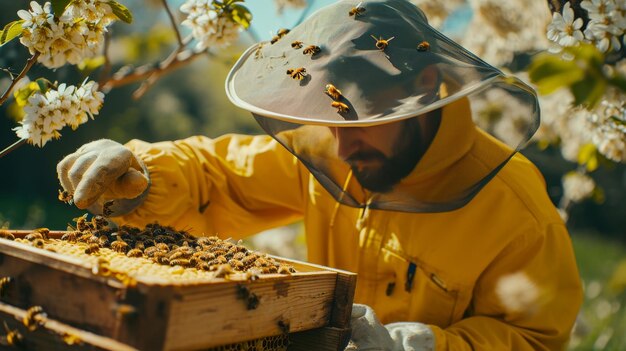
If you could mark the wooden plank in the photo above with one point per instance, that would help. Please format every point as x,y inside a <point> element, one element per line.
<point>321,339</point>
<point>154,315</point>
<point>54,335</point>
<point>291,303</point>
<point>344,292</point>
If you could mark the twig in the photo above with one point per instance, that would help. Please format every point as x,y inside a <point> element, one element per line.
<point>31,61</point>
<point>173,20</point>
<point>145,71</point>
<point>12,147</point>
<point>106,69</point>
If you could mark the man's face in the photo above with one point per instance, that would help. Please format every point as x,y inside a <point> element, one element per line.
<point>380,156</point>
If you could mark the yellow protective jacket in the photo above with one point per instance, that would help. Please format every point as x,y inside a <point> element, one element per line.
<point>497,274</point>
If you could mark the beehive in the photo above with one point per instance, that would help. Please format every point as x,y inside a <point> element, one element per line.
<point>151,306</point>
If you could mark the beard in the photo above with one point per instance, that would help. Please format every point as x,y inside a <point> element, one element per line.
<point>390,170</point>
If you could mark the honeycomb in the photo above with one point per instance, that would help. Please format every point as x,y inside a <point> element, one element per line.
<point>155,252</point>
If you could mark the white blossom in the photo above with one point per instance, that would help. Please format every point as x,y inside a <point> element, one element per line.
<point>292,4</point>
<point>45,114</point>
<point>498,29</point>
<point>208,26</point>
<point>68,38</point>
<point>577,186</point>
<point>564,29</point>
<point>517,293</point>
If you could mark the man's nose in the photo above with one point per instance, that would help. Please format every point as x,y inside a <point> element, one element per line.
<point>348,141</point>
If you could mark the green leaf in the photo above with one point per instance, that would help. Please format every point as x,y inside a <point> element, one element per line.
<point>89,65</point>
<point>59,6</point>
<point>11,31</point>
<point>44,84</point>
<point>121,12</point>
<point>550,72</point>
<point>21,95</point>
<point>588,156</point>
<point>589,91</point>
<point>240,14</point>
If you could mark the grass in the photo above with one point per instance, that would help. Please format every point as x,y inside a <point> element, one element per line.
<point>602,320</point>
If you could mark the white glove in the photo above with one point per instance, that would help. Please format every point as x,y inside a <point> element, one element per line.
<point>104,170</point>
<point>368,334</point>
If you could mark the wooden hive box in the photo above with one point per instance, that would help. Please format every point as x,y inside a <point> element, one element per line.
<point>307,310</point>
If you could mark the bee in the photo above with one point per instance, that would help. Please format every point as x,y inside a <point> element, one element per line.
<point>180,262</point>
<point>66,197</point>
<point>106,208</point>
<point>101,267</point>
<point>238,265</point>
<point>5,234</point>
<point>13,337</point>
<point>33,318</point>
<point>92,248</point>
<point>161,258</point>
<point>125,310</point>
<point>283,326</point>
<point>103,240</point>
<point>82,224</point>
<point>239,256</point>
<point>71,339</point>
<point>45,232</point>
<point>203,266</point>
<point>4,284</point>
<point>70,236</point>
<point>356,11</point>
<point>258,53</point>
<point>297,73</point>
<point>381,44</point>
<point>286,270</point>
<point>223,271</point>
<point>134,253</point>
<point>119,246</point>
<point>340,106</point>
<point>333,92</point>
<point>33,236</point>
<point>281,33</point>
<point>296,44</point>
<point>38,243</point>
<point>312,50</point>
<point>253,301</point>
<point>221,260</point>
<point>423,46</point>
<point>178,254</point>
<point>99,222</point>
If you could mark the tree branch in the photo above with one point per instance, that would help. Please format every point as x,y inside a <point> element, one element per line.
<point>31,61</point>
<point>173,20</point>
<point>12,147</point>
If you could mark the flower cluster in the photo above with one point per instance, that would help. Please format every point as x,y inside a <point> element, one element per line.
<point>281,5</point>
<point>609,134</point>
<point>577,186</point>
<point>47,113</point>
<point>71,37</point>
<point>605,29</point>
<point>209,26</point>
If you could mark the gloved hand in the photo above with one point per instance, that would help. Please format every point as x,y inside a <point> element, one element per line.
<point>104,170</point>
<point>369,334</point>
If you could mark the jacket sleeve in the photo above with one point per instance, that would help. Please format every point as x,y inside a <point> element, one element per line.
<point>528,299</point>
<point>232,186</point>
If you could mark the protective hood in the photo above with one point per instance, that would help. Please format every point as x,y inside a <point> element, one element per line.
<point>362,65</point>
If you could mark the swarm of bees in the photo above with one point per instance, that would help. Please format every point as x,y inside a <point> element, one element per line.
<point>297,73</point>
<point>164,246</point>
<point>356,11</point>
<point>279,35</point>
<point>423,46</point>
<point>381,44</point>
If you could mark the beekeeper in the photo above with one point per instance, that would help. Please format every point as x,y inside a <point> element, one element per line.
<point>398,149</point>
